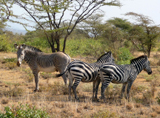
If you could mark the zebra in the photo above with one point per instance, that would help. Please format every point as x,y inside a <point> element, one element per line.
<point>126,74</point>
<point>81,71</point>
<point>40,61</point>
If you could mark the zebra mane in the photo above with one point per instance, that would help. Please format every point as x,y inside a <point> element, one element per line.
<point>108,53</point>
<point>140,57</point>
<point>30,48</point>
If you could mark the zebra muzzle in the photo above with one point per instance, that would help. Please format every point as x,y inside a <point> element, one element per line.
<point>150,72</point>
<point>18,64</point>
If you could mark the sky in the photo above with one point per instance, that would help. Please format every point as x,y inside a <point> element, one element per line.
<point>149,8</point>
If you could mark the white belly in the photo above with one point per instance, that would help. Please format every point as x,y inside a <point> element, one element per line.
<point>47,69</point>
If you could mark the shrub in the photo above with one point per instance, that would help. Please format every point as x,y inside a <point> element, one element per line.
<point>4,44</point>
<point>86,47</point>
<point>124,56</point>
<point>23,111</point>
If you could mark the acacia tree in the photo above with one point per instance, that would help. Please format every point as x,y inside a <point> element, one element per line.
<point>93,26</point>
<point>5,13</point>
<point>53,18</point>
<point>143,34</point>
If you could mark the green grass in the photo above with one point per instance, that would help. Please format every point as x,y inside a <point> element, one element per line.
<point>23,111</point>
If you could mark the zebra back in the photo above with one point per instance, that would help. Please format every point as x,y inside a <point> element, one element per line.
<point>27,47</point>
<point>31,48</point>
<point>107,57</point>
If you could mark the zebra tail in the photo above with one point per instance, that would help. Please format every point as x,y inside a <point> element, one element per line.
<point>58,75</point>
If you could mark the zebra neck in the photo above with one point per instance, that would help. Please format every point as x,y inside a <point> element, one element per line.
<point>138,65</point>
<point>29,55</point>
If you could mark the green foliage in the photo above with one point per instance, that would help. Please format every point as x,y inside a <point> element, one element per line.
<point>23,111</point>
<point>85,47</point>
<point>120,23</point>
<point>9,60</point>
<point>124,56</point>
<point>36,42</point>
<point>4,44</point>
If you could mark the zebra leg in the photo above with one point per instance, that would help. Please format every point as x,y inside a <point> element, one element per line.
<point>36,80</point>
<point>95,88</point>
<point>123,90</point>
<point>77,81</point>
<point>64,79</point>
<point>105,84</point>
<point>128,89</point>
<point>63,76</point>
<point>70,86</point>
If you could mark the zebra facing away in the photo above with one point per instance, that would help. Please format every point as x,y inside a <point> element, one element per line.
<point>81,71</point>
<point>39,61</point>
<point>125,74</point>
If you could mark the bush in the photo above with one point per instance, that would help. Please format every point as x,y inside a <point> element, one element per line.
<point>23,111</point>
<point>86,47</point>
<point>124,56</point>
<point>4,44</point>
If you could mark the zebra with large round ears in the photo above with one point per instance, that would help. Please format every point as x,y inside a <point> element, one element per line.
<point>125,74</point>
<point>39,61</point>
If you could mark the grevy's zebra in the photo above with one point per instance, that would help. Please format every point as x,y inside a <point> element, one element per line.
<point>81,71</point>
<point>125,74</point>
<point>39,61</point>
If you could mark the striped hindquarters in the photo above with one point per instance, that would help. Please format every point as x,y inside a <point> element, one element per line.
<point>118,73</point>
<point>81,70</point>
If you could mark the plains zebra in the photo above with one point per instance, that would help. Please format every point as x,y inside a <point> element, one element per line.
<point>125,74</point>
<point>39,61</point>
<point>81,71</point>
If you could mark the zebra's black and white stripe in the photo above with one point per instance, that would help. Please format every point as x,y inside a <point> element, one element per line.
<point>125,74</point>
<point>80,71</point>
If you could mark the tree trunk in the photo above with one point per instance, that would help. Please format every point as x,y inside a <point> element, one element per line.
<point>64,43</point>
<point>149,50</point>
<point>53,48</point>
<point>58,45</point>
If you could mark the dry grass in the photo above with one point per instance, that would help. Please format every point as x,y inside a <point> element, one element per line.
<point>17,85</point>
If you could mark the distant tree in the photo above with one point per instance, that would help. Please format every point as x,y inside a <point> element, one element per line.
<point>93,26</point>
<point>5,9</point>
<point>122,24</point>
<point>144,34</point>
<point>113,36</point>
<point>50,16</point>
<point>115,33</point>
<point>5,13</point>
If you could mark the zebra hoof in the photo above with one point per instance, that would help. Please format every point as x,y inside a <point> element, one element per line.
<point>95,100</point>
<point>102,98</point>
<point>77,99</point>
<point>36,90</point>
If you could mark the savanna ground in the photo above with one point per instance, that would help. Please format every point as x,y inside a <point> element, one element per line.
<point>17,85</point>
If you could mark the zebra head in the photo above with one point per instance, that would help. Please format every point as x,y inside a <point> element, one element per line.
<point>142,62</point>
<point>107,57</point>
<point>147,67</point>
<point>20,53</point>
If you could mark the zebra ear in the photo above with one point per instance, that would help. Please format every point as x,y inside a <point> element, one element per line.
<point>16,46</point>
<point>23,46</point>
